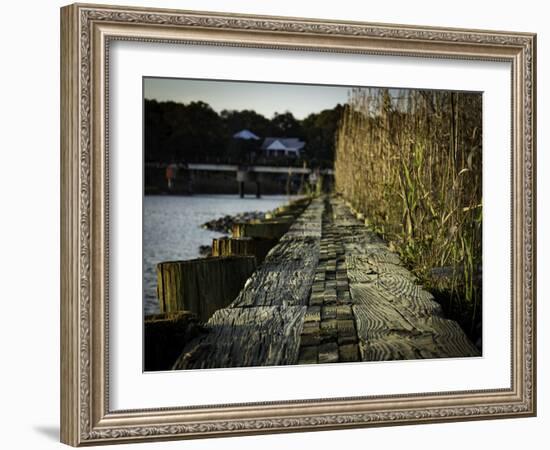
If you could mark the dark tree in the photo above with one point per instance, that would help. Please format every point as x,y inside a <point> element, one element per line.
<point>320,134</point>
<point>236,121</point>
<point>182,133</point>
<point>194,132</point>
<point>286,125</point>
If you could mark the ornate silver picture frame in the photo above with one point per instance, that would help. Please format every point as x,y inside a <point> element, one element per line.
<point>87,34</point>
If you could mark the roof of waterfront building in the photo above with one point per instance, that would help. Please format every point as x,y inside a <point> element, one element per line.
<point>288,144</point>
<point>245,134</point>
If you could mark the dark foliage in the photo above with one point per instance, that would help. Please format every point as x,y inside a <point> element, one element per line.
<point>194,132</point>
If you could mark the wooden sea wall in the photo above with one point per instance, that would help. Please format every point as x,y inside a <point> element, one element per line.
<point>262,326</point>
<point>257,237</point>
<point>329,291</point>
<point>205,285</point>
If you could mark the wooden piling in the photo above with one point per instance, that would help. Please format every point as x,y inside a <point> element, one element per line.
<point>164,337</point>
<point>246,246</point>
<point>290,218</point>
<point>294,209</point>
<point>202,286</point>
<point>271,229</point>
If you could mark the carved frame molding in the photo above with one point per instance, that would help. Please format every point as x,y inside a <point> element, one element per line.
<point>86,32</point>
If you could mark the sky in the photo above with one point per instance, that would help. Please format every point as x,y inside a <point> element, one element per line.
<point>264,98</point>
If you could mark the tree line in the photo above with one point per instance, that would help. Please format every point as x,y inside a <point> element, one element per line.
<point>194,132</point>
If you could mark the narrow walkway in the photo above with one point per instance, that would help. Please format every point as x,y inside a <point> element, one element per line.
<point>329,333</point>
<point>329,291</point>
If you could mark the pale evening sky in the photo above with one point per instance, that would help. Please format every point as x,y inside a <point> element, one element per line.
<point>264,98</point>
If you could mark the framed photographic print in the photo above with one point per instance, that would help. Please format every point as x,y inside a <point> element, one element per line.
<point>278,224</point>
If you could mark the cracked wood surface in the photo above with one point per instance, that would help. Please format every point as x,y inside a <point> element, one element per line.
<point>329,291</point>
<point>395,317</point>
<point>262,325</point>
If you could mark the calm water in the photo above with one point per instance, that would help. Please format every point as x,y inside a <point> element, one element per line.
<point>171,229</point>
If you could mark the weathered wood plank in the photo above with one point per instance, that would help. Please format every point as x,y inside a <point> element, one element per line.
<point>308,224</point>
<point>411,305</point>
<point>267,230</point>
<point>387,334</point>
<point>263,325</point>
<point>359,270</point>
<point>395,317</point>
<point>328,353</point>
<point>447,341</point>
<point>289,218</point>
<point>257,247</point>
<point>395,270</point>
<point>245,337</point>
<point>285,276</point>
<point>202,286</point>
<point>287,273</point>
<point>329,291</point>
<point>405,288</point>
<point>378,313</point>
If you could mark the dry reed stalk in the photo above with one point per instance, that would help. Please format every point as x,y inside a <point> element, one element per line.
<point>411,162</point>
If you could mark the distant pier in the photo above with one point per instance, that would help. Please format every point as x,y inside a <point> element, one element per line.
<point>244,174</point>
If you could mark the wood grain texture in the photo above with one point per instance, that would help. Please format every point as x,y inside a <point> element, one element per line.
<point>246,337</point>
<point>395,317</point>
<point>268,230</point>
<point>384,335</point>
<point>286,275</point>
<point>257,247</point>
<point>391,327</point>
<point>202,286</point>
<point>262,326</point>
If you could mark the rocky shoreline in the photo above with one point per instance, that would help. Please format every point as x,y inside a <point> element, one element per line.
<point>224,224</point>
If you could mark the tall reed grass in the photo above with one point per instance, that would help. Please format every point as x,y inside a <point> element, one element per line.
<point>411,162</point>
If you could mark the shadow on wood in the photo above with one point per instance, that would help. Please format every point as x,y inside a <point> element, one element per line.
<point>164,337</point>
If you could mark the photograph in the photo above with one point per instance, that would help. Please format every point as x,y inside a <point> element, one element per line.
<point>294,222</point>
<point>289,224</point>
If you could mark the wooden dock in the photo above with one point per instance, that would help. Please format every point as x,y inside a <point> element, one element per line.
<point>328,291</point>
